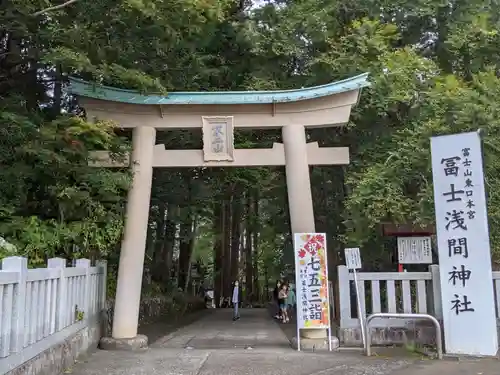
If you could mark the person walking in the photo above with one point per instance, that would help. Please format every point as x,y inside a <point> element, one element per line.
<point>236,300</point>
<point>282,295</point>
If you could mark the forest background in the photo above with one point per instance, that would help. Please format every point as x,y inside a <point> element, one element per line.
<point>434,69</point>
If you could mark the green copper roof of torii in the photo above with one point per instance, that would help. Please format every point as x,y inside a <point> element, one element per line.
<point>91,90</point>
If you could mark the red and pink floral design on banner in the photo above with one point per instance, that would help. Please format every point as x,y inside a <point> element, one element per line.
<point>311,280</point>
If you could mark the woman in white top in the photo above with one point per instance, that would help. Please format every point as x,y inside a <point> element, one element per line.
<point>236,300</point>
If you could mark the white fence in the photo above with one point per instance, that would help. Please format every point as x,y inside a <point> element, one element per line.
<point>41,307</point>
<point>394,292</point>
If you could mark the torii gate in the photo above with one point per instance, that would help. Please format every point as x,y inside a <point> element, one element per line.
<point>217,113</point>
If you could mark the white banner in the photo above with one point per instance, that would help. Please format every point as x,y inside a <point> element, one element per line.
<point>311,275</point>
<point>468,301</point>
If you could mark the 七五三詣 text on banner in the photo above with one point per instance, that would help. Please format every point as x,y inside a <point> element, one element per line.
<point>311,274</point>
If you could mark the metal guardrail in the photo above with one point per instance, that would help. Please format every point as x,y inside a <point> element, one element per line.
<point>439,336</point>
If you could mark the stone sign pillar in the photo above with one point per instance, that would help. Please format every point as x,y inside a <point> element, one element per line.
<point>298,184</point>
<point>128,289</point>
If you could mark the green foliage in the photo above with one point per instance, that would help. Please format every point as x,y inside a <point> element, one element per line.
<point>171,306</point>
<point>433,69</point>
<point>79,314</point>
<point>397,185</point>
<point>52,201</point>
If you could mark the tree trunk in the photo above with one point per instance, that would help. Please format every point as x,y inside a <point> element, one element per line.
<point>249,281</point>
<point>442,52</point>
<point>218,227</point>
<point>255,242</point>
<point>266,285</point>
<point>226,235</point>
<point>185,248</point>
<point>164,244</point>
<point>192,244</point>
<point>56,107</point>
<point>147,276</point>
<point>159,234</point>
<point>236,213</point>
<point>168,243</point>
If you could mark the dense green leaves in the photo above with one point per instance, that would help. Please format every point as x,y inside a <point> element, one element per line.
<point>52,202</point>
<point>433,70</point>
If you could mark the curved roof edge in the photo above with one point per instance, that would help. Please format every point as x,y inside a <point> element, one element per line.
<point>91,90</point>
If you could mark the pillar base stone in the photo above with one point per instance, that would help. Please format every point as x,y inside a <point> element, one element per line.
<point>313,333</point>
<point>315,345</point>
<point>134,344</point>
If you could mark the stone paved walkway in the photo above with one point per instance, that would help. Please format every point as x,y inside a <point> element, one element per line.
<point>254,330</point>
<point>256,345</point>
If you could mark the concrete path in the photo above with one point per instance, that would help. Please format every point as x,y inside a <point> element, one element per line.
<point>254,330</point>
<point>256,345</point>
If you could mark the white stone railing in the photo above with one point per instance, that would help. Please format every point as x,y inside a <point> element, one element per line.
<point>404,292</point>
<point>395,292</point>
<point>42,307</point>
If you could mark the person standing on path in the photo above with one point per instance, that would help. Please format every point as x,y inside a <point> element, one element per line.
<point>236,300</point>
<point>290,301</point>
<point>276,299</point>
<point>282,296</point>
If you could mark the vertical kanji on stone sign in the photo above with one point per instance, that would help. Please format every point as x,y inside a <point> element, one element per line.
<point>463,245</point>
